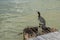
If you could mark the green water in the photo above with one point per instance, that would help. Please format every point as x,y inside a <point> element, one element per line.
<point>15,15</point>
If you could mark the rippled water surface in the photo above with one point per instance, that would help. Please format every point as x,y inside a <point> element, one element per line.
<point>15,15</point>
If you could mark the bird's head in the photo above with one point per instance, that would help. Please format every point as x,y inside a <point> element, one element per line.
<point>38,13</point>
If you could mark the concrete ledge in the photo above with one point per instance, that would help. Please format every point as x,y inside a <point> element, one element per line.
<point>49,36</point>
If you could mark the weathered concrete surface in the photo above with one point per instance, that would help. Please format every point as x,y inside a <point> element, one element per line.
<point>49,36</point>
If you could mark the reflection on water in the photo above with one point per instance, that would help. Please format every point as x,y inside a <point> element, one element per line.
<point>17,14</point>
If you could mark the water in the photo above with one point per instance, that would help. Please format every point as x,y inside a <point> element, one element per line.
<point>15,15</point>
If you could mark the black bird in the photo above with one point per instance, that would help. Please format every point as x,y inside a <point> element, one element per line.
<point>41,19</point>
<point>42,23</point>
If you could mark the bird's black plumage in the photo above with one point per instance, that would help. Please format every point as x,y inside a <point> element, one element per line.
<point>41,19</point>
<point>42,22</point>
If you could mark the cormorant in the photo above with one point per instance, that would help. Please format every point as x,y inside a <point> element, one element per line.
<point>41,19</point>
<point>42,23</point>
